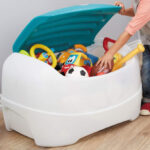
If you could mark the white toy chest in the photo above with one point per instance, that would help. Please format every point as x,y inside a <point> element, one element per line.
<point>54,110</point>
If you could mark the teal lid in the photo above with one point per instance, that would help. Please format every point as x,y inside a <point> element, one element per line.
<point>61,29</point>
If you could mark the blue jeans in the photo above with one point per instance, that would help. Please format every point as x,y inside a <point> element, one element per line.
<point>145,72</point>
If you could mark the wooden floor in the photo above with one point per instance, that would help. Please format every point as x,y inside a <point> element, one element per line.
<point>126,136</point>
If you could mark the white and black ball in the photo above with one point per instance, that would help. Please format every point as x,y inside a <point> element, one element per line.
<point>77,72</point>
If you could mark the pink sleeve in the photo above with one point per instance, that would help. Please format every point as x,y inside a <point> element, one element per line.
<point>141,17</point>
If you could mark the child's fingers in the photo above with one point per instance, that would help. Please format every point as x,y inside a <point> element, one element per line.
<point>121,5</point>
<point>110,65</point>
<point>105,65</point>
<point>99,61</point>
<point>117,3</point>
<point>101,64</point>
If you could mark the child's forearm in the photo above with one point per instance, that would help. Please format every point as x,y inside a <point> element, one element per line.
<point>124,37</point>
<point>129,12</point>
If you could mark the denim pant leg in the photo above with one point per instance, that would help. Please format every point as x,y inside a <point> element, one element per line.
<point>145,72</point>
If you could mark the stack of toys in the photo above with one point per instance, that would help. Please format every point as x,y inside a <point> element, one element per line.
<point>76,62</point>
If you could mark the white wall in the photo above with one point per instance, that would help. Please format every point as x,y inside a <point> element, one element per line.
<point>15,14</point>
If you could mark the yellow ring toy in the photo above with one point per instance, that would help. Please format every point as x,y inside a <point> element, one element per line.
<point>45,48</point>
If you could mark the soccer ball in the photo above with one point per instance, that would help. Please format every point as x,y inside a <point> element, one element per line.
<point>77,72</point>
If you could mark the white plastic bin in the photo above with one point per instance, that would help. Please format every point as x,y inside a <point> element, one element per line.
<point>54,110</point>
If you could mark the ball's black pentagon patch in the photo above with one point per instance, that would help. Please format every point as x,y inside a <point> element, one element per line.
<point>71,71</point>
<point>82,72</point>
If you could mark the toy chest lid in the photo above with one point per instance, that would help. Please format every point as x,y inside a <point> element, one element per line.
<point>61,29</point>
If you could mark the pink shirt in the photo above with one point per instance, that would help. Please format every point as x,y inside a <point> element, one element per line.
<point>141,18</point>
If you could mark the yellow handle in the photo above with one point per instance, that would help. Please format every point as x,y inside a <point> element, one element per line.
<point>45,48</point>
<point>76,46</point>
<point>140,48</point>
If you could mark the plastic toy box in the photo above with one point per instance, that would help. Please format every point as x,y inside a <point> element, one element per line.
<point>54,110</point>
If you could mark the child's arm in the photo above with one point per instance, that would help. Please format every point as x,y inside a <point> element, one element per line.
<point>142,16</point>
<point>123,11</point>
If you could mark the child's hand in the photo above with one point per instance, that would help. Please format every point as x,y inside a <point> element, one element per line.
<point>105,61</point>
<point>123,10</point>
